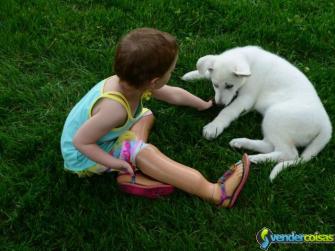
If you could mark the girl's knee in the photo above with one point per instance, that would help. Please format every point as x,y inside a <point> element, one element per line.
<point>151,149</point>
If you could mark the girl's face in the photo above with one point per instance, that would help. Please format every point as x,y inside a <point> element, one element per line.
<point>160,82</point>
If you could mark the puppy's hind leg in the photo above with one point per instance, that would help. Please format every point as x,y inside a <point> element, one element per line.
<point>259,158</point>
<point>279,154</point>
<point>274,131</point>
<point>261,146</point>
<point>283,148</point>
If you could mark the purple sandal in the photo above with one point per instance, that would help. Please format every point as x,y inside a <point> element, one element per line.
<point>238,189</point>
<point>228,173</point>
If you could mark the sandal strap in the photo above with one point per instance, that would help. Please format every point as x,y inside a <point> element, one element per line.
<point>133,179</point>
<point>223,196</point>
<point>228,173</point>
<point>225,176</point>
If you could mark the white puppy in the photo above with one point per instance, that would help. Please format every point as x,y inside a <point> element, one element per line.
<point>249,78</point>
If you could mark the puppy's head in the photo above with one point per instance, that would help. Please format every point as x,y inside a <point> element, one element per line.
<point>228,74</point>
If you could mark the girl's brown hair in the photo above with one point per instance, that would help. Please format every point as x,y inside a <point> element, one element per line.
<point>144,54</point>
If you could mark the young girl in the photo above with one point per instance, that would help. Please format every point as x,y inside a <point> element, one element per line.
<point>107,128</point>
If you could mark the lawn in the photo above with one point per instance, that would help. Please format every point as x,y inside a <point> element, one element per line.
<point>53,52</point>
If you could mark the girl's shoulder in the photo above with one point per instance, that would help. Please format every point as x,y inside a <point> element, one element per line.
<point>111,111</point>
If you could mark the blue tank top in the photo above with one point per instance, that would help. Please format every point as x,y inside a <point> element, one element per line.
<point>74,160</point>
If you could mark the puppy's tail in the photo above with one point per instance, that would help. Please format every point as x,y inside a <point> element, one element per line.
<point>281,166</point>
<point>194,75</point>
<point>318,143</point>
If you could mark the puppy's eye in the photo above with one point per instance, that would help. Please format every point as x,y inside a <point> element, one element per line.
<point>228,86</point>
<point>216,85</point>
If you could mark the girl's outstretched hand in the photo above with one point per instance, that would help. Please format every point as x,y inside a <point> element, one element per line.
<point>206,105</point>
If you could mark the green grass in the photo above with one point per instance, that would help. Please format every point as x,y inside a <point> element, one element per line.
<point>52,52</point>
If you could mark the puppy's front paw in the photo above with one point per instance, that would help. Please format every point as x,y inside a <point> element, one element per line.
<point>212,130</point>
<point>191,76</point>
<point>187,76</point>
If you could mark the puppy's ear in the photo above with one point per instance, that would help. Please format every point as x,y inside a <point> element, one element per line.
<point>205,64</point>
<point>242,69</point>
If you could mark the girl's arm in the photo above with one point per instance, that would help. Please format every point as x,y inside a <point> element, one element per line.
<point>93,129</point>
<point>179,96</point>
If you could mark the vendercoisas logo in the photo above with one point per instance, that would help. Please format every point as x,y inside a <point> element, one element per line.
<point>263,237</point>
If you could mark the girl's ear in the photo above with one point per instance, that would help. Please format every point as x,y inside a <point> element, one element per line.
<point>153,83</point>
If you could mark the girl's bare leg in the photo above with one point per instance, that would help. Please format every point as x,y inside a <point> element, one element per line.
<point>142,129</point>
<point>143,126</point>
<point>158,166</point>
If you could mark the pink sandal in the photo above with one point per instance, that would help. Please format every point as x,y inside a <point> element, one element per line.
<point>233,198</point>
<point>127,184</point>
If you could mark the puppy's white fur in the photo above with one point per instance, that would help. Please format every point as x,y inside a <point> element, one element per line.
<point>293,115</point>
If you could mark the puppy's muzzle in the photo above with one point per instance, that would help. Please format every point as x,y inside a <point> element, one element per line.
<point>223,105</point>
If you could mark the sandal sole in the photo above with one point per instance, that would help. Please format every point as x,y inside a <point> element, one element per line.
<point>246,171</point>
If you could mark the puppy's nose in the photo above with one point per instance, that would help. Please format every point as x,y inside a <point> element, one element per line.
<point>215,104</point>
